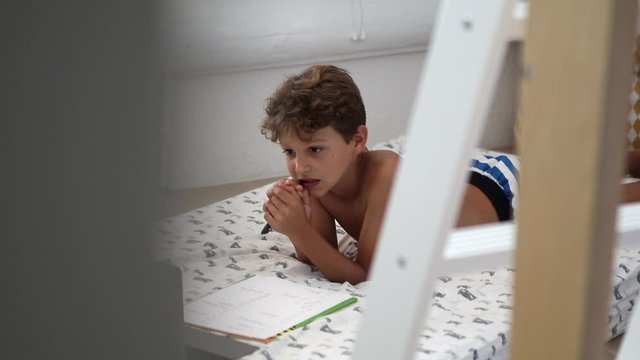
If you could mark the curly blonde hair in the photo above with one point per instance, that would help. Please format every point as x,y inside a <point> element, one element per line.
<point>322,95</point>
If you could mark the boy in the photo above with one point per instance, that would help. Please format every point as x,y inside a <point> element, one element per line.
<point>319,121</point>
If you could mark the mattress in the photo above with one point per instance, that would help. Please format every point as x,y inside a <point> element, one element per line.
<point>220,244</point>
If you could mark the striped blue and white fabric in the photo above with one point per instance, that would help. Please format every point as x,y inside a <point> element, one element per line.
<point>501,168</point>
<point>497,167</point>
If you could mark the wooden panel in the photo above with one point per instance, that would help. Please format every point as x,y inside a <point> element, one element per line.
<point>574,100</point>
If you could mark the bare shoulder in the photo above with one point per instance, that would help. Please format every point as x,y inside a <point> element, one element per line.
<point>380,168</point>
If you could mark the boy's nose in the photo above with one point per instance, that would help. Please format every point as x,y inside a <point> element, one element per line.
<point>302,165</point>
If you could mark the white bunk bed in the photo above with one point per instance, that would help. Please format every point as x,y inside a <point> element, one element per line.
<point>590,101</point>
<point>469,288</point>
<point>220,244</point>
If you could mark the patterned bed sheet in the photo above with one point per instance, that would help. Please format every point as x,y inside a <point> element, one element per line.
<point>220,244</point>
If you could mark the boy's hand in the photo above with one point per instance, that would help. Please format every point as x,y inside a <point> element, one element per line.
<point>285,210</point>
<point>300,190</point>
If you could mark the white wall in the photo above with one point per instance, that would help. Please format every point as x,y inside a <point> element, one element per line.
<point>224,58</point>
<point>212,128</point>
<point>231,35</point>
<point>212,135</point>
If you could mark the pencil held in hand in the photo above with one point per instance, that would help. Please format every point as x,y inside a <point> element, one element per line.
<point>305,198</point>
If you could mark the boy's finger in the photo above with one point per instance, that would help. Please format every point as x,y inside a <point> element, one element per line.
<point>304,195</point>
<point>275,206</point>
<point>269,217</point>
<point>275,203</point>
<point>266,207</point>
<point>284,189</point>
<point>306,202</point>
<point>269,207</point>
<point>280,196</point>
<point>270,190</point>
<point>286,195</point>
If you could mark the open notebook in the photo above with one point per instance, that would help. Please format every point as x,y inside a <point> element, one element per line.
<point>261,308</point>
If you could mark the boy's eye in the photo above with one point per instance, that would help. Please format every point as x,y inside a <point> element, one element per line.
<point>315,149</point>
<point>287,152</point>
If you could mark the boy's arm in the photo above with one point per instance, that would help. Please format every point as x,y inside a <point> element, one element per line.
<point>323,223</point>
<point>286,215</point>
<point>334,265</point>
<point>377,189</point>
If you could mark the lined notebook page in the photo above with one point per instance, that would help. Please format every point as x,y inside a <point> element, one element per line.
<point>261,307</point>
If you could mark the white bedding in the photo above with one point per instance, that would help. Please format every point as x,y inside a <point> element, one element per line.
<point>220,244</point>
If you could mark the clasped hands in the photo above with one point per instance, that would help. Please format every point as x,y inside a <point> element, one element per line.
<point>288,208</point>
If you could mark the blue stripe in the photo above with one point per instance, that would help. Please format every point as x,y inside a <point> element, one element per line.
<point>505,159</point>
<point>496,174</point>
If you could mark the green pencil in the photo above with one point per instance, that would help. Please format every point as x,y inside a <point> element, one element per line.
<point>337,307</point>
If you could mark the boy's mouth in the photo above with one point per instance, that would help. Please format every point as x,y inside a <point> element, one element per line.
<point>309,184</point>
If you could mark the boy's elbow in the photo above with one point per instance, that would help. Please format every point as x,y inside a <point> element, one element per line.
<point>303,258</point>
<point>353,277</point>
<point>358,278</point>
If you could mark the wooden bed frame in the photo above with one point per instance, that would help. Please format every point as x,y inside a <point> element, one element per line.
<point>577,65</point>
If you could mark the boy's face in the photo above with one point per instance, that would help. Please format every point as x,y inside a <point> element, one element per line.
<point>319,163</point>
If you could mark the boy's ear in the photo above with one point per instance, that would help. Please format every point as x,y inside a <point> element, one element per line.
<point>360,138</point>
